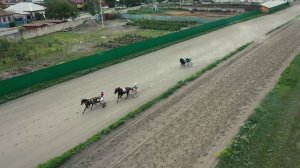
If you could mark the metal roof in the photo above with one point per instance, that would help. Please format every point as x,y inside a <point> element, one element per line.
<point>25,7</point>
<point>5,13</point>
<point>271,4</point>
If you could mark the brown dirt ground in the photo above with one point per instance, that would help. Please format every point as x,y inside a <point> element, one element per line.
<point>186,129</point>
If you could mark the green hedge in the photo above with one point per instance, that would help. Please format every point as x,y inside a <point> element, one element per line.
<point>22,82</point>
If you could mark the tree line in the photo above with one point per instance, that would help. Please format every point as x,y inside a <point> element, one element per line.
<point>63,9</point>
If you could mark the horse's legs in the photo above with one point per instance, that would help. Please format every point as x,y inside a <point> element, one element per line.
<point>92,106</point>
<point>127,93</point>
<point>86,106</point>
<point>84,110</point>
<point>118,98</point>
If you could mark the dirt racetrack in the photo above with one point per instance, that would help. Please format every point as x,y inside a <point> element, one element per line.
<point>39,126</point>
<point>181,131</point>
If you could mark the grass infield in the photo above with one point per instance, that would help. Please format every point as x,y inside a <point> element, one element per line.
<point>270,138</point>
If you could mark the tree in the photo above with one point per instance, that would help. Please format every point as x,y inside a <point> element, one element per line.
<point>130,3</point>
<point>39,16</point>
<point>92,6</point>
<point>60,9</point>
<point>111,3</point>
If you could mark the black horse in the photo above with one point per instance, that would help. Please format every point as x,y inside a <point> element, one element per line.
<point>90,103</point>
<point>186,61</point>
<point>87,103</point>
<point>122,91</point>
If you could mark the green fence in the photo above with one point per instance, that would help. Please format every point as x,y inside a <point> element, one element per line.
<point>22,82</point>
<point>279,7</point>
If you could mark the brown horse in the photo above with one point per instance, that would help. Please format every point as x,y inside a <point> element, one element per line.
<point>87,103</point>
<point>121,92</point>
<point>91,102</point>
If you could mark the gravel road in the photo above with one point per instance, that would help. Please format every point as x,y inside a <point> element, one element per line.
<point>39,126</point>
<point>185,130</point>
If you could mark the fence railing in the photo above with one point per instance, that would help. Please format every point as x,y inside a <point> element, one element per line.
<point>27,80</point>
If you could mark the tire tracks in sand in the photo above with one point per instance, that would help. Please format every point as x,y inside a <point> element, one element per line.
<point>186,129</point>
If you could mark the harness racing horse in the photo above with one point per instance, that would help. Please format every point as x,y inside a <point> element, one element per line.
<point>185,61</point>
<point>91,102</point>
<point>87,103</point>
<point>122,91</point>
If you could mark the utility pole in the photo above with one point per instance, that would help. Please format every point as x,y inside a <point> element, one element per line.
<point>101,11</point>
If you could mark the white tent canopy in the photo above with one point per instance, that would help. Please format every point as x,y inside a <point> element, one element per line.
<point>23,7</point>
<point>271,4</point>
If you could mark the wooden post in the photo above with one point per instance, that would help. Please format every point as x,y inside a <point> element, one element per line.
<point>101,11</point>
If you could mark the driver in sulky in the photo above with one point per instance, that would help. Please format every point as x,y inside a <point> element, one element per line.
<point>102,96</point>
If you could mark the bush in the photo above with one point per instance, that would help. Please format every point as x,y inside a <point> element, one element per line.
<point>39,16</point>
<point>110,16</point>
<point>4,45</point>
<point>12,24</point>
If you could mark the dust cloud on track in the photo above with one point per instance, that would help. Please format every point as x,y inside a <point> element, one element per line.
<point>39,126</point>
<point>185,130</point>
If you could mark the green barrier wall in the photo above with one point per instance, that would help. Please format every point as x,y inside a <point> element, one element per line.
<point>25,81</point>
<point>279,7</point>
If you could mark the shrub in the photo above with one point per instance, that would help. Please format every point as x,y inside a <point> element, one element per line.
<point>110,16</point>
<point>39,16</point>
<point>12,24</point>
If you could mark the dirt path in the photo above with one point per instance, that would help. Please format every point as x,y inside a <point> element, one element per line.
<point>181,131</point>
<point>44,124</point>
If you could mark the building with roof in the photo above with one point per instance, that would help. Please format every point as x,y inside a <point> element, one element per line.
<point>5,18</point>
<point>36,1</point>
<point>26,10</point>
<point>271,6</point>
<point>8,3</point>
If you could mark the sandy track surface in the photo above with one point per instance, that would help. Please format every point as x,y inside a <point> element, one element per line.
<point>181,131</point>
<point>44,124</point>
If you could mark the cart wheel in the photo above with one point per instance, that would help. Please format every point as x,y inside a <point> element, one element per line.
<point>135,94</point>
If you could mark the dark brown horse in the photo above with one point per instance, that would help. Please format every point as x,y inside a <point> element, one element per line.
<point>122,91</point>
<point>87,103</point>
<point>90,102</point>
<point>186,61</point>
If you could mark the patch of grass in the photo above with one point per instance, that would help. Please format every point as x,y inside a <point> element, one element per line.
<point>270,137</point>
<point>58,47</point>
<point>59,160</point>
<point>151,33</point>
<point>160,25</point>
<point>123,40</point>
